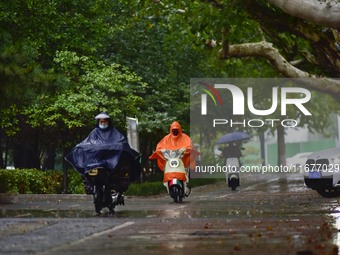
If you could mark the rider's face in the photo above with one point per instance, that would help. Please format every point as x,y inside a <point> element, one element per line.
<point>103,121</point>
<point>175,132</point>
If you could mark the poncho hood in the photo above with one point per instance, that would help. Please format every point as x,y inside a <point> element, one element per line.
<point>172,142</point>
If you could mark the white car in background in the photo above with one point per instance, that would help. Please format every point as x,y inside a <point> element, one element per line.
<point>298,160</point>
<point>322,172</point>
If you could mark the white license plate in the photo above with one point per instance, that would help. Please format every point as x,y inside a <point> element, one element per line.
<point>314,175</point>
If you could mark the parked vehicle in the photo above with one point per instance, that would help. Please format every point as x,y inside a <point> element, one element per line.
<point>322,172</point>
<point>176,176</point>
<point>298,161</point>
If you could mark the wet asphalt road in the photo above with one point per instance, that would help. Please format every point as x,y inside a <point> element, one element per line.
<point>265,216</point>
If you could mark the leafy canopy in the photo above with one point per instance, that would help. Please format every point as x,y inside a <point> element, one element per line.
<point>84,87</point>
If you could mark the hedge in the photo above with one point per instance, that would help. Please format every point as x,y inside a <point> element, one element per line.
<point>33,181</point>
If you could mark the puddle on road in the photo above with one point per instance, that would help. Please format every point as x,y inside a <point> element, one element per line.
<point>71,214</point>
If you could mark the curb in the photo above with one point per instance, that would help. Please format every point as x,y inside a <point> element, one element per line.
<point>6,198</point>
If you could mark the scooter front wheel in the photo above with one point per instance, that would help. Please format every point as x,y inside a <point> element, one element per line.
<point>177,193</point>
<point>233,184</point>
<point>98,199</point>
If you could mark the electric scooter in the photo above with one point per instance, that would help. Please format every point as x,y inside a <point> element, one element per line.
<point>176,176</point>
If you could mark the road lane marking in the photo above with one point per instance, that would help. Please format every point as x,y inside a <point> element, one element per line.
<point>86,238</point>
<point>126,224</point>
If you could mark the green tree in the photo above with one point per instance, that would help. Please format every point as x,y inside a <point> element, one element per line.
<point>245,30</point>
<point>135,58</point>
<point>36,71</point>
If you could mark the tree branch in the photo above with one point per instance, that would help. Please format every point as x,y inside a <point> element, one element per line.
<point>323,42</point>
<point>266,50</point>
<point>325,13</point>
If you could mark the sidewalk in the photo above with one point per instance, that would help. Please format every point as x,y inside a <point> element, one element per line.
<point>6,198</point>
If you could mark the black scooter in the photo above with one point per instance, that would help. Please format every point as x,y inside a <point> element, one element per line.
<point>108,185</point>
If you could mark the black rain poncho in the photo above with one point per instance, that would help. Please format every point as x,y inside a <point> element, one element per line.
<point>105,147</point>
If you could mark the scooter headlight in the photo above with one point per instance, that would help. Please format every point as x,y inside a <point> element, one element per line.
<point>174,162</point>
<point>93,172</point>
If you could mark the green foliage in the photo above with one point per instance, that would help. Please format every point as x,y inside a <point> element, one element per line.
<point>146,189</point>
<point>75,183</point>
<point>30,181</point>
<point>32,79</point>
<point>63,61</point>
<point>7,121</point>
<point>201,182</point>
<point>157,187</point>
<point>88,84</point>
<point>33,181</point>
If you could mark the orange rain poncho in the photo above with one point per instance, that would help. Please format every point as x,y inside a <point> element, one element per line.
<point>172,142</point>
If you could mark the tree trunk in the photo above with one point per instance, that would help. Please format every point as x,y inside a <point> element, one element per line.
<point>65,175</point>
<point>263,152</point>
<point>49,159</point>
<point>266,50</point>
<point>324,43</point>
<point>281,146</point>
<point>26,152</point>
<point>2,165</point>
<point>325,13</point>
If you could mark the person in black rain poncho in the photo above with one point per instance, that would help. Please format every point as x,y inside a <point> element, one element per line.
<point>106,146</point>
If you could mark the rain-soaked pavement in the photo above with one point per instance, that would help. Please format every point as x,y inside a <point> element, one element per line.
<point>265,216</point>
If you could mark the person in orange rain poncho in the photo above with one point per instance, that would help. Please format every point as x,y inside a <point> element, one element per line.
<point>174,141</point>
